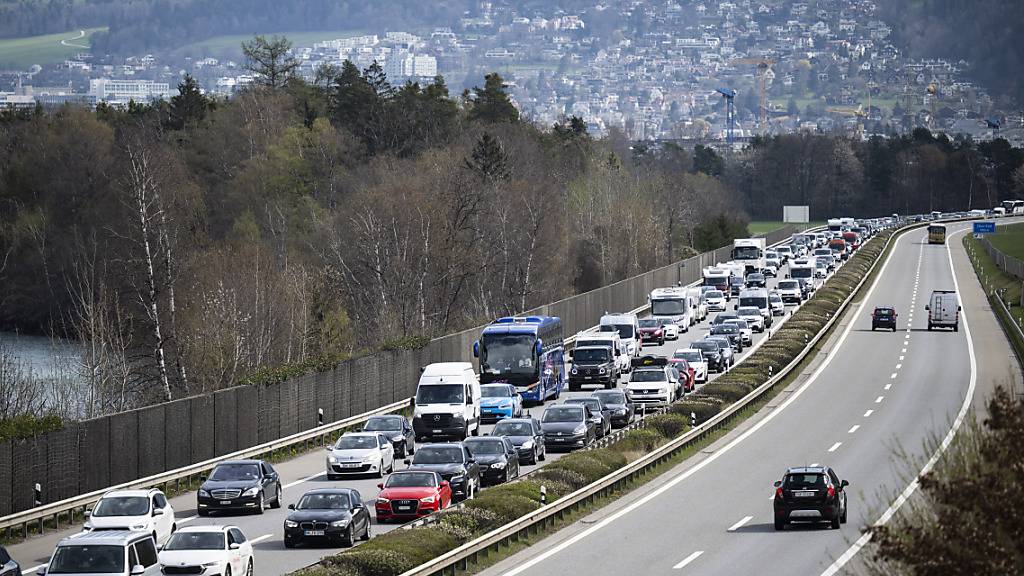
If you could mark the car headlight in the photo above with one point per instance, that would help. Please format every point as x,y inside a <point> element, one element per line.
<point>291,524</point>
<point>339,523</point>
<point>204,493</point>
<point>574,370</point>
<point>601,370</point>
<point>458,416</point>
<point>370,458</point>
<point>382,500</point>
<point>251,491</point>
<point>620,411</point>
<point>398,438</point>
<point>138,527</point>
<point>457,478</point>
<point>581,429</point>
<point>332,459</point>
<point>528,444</point>
<point>211,564</point>
<point>498,465</point>
<point>428,499</point>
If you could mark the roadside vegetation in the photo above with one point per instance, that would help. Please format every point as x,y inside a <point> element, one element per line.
<point>1000,285</point>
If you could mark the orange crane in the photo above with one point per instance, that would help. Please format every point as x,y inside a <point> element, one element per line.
<point>763,65</point>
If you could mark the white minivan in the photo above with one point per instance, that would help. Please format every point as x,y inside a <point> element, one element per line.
<point>447,402</point>
<point>943,310</point>
<point>628,326</point>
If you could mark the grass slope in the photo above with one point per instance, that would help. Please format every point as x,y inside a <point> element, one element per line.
<point>20,53</point>
<point>1009,240</point>
<point>764,227</point>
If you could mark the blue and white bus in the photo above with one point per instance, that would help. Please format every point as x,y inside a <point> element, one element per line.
<point>525,351</point>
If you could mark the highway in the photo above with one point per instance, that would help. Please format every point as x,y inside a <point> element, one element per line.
<point>306,472</point>
<point>869,393</point>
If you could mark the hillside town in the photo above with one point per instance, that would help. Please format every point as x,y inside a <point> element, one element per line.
<point>654,70</point>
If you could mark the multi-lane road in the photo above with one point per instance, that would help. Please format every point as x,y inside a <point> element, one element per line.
<point>307,472</point>
<point>868,394</point>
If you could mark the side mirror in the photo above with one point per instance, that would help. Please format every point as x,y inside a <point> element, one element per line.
<point>476,349</point>
<point>407,461</point>
<point>844,484</point>
<point>234,546</point>
<point>471,461</point>
<point>42,570</point>
<point>444,483</point>
<point>328,448</point>
<point>158,512</point>
<point>380,485</point>
<point>787,275</point>
<point>778,483</point>
<point>88,512</point>
<point>138,570</point>
<point>291,506</point>
<point>203,478</point>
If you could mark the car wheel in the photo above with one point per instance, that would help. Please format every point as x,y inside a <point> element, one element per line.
<point>835,522</point>
<point>380,470</point>
<point>893,328</point>
<point>227,571</point>
<point>956,327</point>
<point>780,524</point>
<point>532,461</point>
<point>391,468</point>
<point>203,513</point>
<point>277,498</point>
<point>412,447</point>
<point>400,453</point>
<point>288,543</point>
<point>543,455</point>
<point>248,568</point>
<point>366,534</point>
<point>349,539</point>
<point>260,504</point>
<point>842,517</point>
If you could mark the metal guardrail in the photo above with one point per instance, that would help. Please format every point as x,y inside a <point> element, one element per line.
<point>461,557</point>
<point>41,513</point>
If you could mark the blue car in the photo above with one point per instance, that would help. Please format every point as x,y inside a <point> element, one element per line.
<point>499,401</point>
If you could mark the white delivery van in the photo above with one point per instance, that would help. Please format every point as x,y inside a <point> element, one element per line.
<point>622,357</point>
<point>943,310</point>
<point>447,402</point>
<point>700,305</point>
<point>628,326</point>
<point>757,297</point>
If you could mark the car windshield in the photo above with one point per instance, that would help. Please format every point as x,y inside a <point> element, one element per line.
<point>722,318</point>
<point>502,353</point>
<point>196,541</point>
<point>805,481</point>
<point>485,446</point>
<point>647,376</point>
<point>789,285</point>
<point>670,307</point>
<point>624,330</point>
<point>610,397</point>
<point>232,472</point>
<point>122,506</point>
<point>356,443</point>
<point>562,414</point>
<point>774,298</point>
<point>689,356</point>
<point>506,428</point>
<point>724,328</point>
<point>721,341</point>
<point>754,301</point>
<point>651,322</point>
<point>385,424</point>
<point>714,294</point>
<point>438,455</point>
<point>411,480</point>
<point>324,502</point>
<point>755,278</point>
<point>705,346</point>
<point>501,391</point>
<point>440,394</point>
<point>593,403</point>
<point>736,281</point>
<point>741,324</point>
<point>590,355</point>
<point>87,560</point>
<point>748,311</point>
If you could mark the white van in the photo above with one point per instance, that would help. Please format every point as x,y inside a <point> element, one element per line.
<point>622,357</point>
<point>447,402</point>
<point>628,327</point>
<point>943,310</point>
<point>699,304</point>
<point>757,297</point>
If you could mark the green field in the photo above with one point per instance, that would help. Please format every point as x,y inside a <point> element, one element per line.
<point>764,227</point>
<point>20,53</point>
<point>231,45</point>
<point>1009,240</point>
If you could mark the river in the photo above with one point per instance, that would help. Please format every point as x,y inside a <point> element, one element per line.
<point>43,356</point>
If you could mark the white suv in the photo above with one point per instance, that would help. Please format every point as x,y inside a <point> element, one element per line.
<point>135,510</point>
<point>752,314</point>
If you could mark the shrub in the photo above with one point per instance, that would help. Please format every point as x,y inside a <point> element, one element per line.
<point>506,507</point>
<point>530,488</point>
<point>26,426</point>
<point>703,407</point>
<point>369,562</point>
<point>591,468</point>
<point>574,480</point>
<point>610,458</point>
<point>668,425</point>
<point>727,391</point>
<point>642,440</point>
<point>417,545</point>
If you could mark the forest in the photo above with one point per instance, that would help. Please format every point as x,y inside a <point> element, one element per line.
<point>194,244</point>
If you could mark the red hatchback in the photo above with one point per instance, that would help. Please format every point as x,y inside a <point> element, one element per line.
<point>687,373</point>
<point>411,494</point>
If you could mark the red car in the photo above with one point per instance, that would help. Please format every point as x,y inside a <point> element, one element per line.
<point>687,374</point>
<point>651,330</point>
<point>412,494</point>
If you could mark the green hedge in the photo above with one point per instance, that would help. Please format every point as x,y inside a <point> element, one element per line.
<point>26,426</point>
<point>641,440</point>
<point>669,425</point>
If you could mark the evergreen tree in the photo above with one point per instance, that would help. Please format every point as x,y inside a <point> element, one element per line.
<point>489,161</point>
<point>270,61</point>
<point>706,160</point>
<point>189,106</point>
<point>491,103</point>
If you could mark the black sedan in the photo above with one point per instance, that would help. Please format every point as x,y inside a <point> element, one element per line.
<point>756,280</point>
<point>812,494</point>
<point>240,485</point>
<point>497,458</point>
<point>454,462</point>
<point>730,331</point>
<point>725,348</point>
<point>8,567</point>
<point>526,435</point>
<point>599,412</point>
<point>568,426</point>
<point>622,409</point>
<point>397,429</point>
<point>327,515</point>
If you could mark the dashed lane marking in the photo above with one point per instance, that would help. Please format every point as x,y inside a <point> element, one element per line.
<point>688,559</point>
<point>835,446</point>
<point>879,399</point>
<point>742,521</point>
<point>868,413</point>
<point>853,429</point>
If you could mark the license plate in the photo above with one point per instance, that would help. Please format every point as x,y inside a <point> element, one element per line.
<point>404,508</point>
<point>313,532</point>
<point>438,431</point>
<point>350,465</point>
<point>225,501</point>
<point>803,494</point>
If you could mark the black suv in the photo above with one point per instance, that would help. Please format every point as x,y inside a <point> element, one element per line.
<point>730,331</point>
<point>884,317</point>
<point>812,494</point>
<point>240,485</point>
<point>454,463</point>
<point>593,365</point>
<point>621,407</point>
<point>756,280</point>
<point>712,354</point>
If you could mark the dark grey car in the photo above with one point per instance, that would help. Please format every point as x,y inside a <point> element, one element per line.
<point>397,429</point>
<point>497,458</point>
<point>454,463</point>
<point>526,435</point>
<point>725,349</point>
<point>568,426</point>
<point>617,401</point>
<point>602,416</point>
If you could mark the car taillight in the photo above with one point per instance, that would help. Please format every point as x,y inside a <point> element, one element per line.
<point>831,492</point>
<point>778,492</point>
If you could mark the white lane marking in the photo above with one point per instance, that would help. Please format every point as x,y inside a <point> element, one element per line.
<point>835,446</point>
<point>854,309</point>
<point>260,539</point>
<point>901,358</point>
<point>887,386</point>
<point>688,559</point>
<point>186,520</point>
<point>307,479</point>
<point>742,521</point>
<point>904,350</point>
<point>946,441</point>
<point>879,399</point>
<point>814,465</point>
<point>898,366</point>
<point>853,429</point>
<point>893,376</point>
<point>905,342</point>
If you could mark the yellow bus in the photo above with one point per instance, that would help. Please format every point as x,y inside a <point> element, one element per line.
<point>936,234</point>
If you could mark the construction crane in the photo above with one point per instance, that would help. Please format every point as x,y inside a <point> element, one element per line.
<point>763,65</point>
<point>730,112</point>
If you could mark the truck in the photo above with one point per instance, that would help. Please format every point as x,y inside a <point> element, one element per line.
<point>750,253</point>
<point>526,352</point>
<point>673,304</point>
<point>943,310</point>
